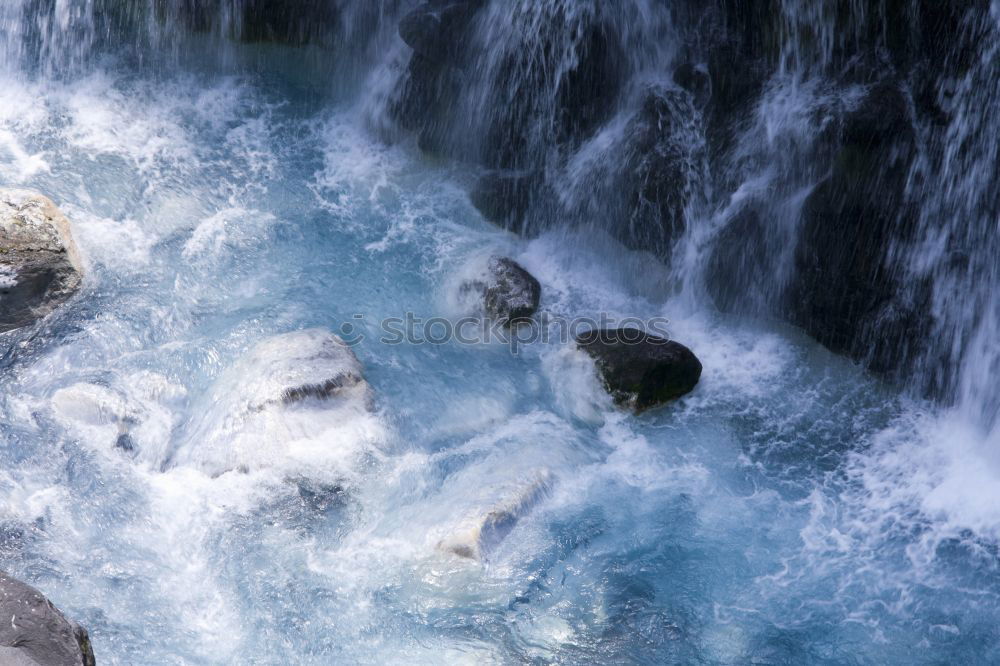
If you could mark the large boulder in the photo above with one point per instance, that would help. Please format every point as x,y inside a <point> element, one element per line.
<point>36,633</point>
<point>512,294</point>
<point>641,371</point>
<point>439,32</point>
<point>40,267</point>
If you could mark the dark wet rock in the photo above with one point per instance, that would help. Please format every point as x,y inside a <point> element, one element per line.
<point>880,119</point>
<point>740,44</point>
<point>740,264</point>
<point>320,497</point>
<point>439,32</point>
<point>522,101</point>
<point>694,79</point>
<point>125,443</point>
<point>425,104</point>
<point>945,35</point>
<point>194,15</point>
<point>425,90</point>
<point>434,29</point>
<point>291,22</point>
<point>660,170</point>
<point>640,370</point>
<point>36,632</point>
<point>512,294</point>
<point>850,222</point>
<point>504,198</point>
<point>584,92</point>
<point>40,268</point>
<point>527,88</point>
<point>422,32</point>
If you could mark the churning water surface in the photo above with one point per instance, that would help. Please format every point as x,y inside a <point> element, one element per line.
<point>790,510</point>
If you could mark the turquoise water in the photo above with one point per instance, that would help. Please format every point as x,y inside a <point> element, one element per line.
<point>791,510</point>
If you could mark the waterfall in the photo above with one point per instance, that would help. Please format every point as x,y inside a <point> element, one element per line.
<point>958,245</point>
<point>835,149</point>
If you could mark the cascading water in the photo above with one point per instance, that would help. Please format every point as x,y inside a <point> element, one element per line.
<point>244,174</point>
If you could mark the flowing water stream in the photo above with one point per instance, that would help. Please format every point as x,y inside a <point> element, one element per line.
<point>793,509</point>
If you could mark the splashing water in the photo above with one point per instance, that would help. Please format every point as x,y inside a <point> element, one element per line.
<point>792,510</point>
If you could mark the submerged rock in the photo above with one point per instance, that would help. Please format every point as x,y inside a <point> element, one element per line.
<point>124,442</point>
<point>480,534</point>
<point>40,267</point>
<point>512,294</point>
<point>293,396</point>
<point>36,633</point>
<point>132,414</point>
<point>293,367</point>
<point>640,370</point>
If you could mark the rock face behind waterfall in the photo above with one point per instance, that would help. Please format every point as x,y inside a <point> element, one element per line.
<point>855,237</point>
<point>844,279</point>
<point>40,267</point>
<point>641,371</point>
<point>803,156</point>
<point>35,633</point>
<point>657,171</point>
<point>295,22</point>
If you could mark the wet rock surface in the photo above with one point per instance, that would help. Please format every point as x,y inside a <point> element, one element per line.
<point>292,22</point>
<point>285,390</point>
<point>639,370</point>
<point>40,267</point>
<point>504,198</point>
<point>511,294</point>
<point>845,283</point>
<point>34,632</point>
<point>659,171</point>
<point>480,534</point>
<point>293,367</point>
